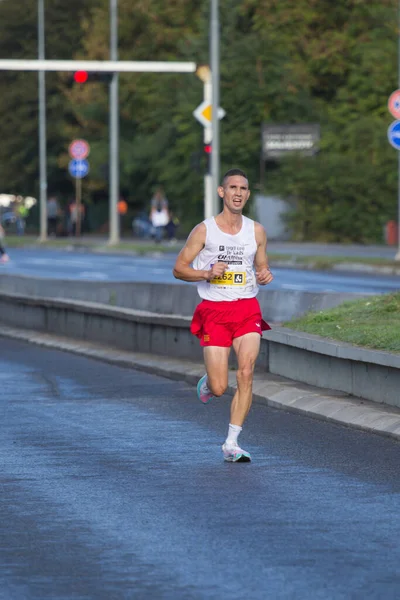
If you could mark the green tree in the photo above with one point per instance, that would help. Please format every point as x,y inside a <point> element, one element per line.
<point>19,99</point>
<point>281,62</point>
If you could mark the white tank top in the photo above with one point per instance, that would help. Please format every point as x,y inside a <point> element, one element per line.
<point>238,251</point>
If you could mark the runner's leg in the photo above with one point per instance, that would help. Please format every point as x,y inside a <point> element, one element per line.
<point>246,348</point>
<point>216,361</point>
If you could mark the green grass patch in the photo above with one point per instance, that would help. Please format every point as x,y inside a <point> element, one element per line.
<point>372,322</point>
<point>143,247</point>
<point>28,241</point>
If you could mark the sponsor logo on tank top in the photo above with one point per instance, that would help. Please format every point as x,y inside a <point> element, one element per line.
<point>232,255</point>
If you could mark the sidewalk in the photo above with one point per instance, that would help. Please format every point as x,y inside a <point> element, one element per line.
<point>277,392</point>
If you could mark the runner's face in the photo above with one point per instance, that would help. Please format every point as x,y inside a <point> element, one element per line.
<point>235,193</point>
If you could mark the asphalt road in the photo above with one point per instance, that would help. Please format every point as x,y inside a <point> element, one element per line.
<point>113,487</point>
<point>105,267</point>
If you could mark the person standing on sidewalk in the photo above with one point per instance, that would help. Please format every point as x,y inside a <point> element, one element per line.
<point>229,259</point>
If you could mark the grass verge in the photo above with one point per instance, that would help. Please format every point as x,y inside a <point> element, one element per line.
<point>372,322</point>
<point>142,247</point>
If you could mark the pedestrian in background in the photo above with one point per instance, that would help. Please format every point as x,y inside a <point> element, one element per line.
<point>53,211</point>
<point>3,254</point>
<point>228,253</point>
<point>159,218</point>
<point>75,227</point>
<point>159,199</point>
<point>21,213</point>
<point>141,225</point>
<point>122,208</point>
<point>171,227</point>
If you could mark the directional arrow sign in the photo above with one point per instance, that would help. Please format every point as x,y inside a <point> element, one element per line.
<point>394,134</point>
<point>78,168</point>
<point>203,113</point>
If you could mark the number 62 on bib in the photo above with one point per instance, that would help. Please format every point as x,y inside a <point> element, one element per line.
<point>230,278</point>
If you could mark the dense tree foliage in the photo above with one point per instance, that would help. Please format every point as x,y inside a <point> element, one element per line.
<point>307,61</point>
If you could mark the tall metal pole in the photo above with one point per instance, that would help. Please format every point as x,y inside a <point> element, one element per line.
<point>214,39</point>
<point>114,234</point>
<point>209,189</point>
<point>397,257</point>
<point>42,127</point>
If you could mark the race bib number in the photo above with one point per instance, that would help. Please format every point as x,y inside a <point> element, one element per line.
<point>230,278</point>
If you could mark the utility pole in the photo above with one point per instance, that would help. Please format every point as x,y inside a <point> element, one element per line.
<point>42,126</point>
<point>203,72</point>
<point>214,52</point>
<point>114,233</point>
<point>397,257</point>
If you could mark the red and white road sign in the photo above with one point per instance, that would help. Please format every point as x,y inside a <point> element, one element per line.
<point>79,149</point>
<point>394,104</point>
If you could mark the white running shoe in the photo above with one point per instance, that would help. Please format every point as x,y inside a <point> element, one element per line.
<point>235,454</point>
<point>203,393</point>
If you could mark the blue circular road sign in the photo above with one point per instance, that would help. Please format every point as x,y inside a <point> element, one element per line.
<point>78,168</point>
<point>394,134</point>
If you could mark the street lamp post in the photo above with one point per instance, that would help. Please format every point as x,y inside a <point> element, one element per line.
<point>114,233</point>
<point>214,51</point>
<point>42,126</point>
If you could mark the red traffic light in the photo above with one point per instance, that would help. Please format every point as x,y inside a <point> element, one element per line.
<point>207,148</point>
<point>81,76</point>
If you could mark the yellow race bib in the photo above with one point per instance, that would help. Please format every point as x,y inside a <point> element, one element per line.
<point>230,278</point>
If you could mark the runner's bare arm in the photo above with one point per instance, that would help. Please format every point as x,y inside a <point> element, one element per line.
<point>194,245</point>
<point>263,274</point>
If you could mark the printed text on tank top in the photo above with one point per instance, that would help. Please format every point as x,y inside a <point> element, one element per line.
<point>230,277</point>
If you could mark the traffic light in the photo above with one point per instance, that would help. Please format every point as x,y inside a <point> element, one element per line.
<point>200,161</point>
<point>207,153</point>
<point>82,77</point>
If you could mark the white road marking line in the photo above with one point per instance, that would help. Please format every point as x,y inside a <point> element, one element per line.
<point>92,275</point>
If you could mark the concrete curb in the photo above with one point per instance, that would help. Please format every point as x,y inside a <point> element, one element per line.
<point>273,391</point>
<point>333,348</point>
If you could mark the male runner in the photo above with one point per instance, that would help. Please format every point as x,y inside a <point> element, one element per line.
<point>229,259</point>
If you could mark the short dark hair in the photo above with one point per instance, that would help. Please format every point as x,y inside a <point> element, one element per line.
<point>233,172</point>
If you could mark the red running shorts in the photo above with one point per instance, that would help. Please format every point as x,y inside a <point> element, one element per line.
<point>219,323</point>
